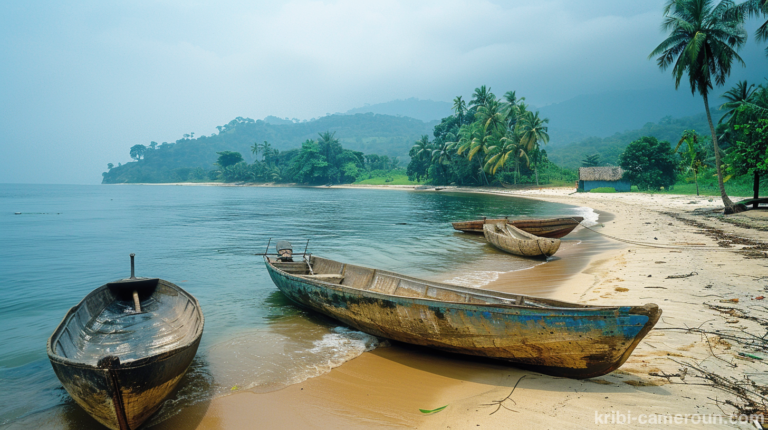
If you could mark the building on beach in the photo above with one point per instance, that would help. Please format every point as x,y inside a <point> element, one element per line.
<point>603,177</point>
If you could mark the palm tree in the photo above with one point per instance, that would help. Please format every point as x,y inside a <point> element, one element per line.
<point>702,43</point>
<point>266,150</point>
<point>491,116</point>
<point>507,148</point>
<point>740,94</point>
<point>591,160</point>
<point>512,108</point>
<point>442,153</point>
<point>422,147</point>
<point>460,107</point>
<point>481,96</point>
<point>255,148</point>
<point>755,8</point>
<point>691,139</point>
<point>532,131</point>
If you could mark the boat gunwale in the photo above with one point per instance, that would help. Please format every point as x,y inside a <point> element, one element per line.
<point>509,220</point>
<point>430,302</point>
<point>128,364</point>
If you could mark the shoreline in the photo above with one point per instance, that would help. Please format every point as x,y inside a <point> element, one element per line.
<point>386,387</point>
<point>403,379</point>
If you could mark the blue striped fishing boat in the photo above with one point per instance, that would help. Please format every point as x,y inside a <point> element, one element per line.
<point>548,336</point>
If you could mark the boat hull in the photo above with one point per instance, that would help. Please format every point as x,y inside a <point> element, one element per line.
<point>554,228</point>
<point>136,392</point>
<point>122,396</point>
<point>578,342</point>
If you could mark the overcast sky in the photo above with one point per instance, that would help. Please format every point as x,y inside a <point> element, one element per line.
<point>82,82</point>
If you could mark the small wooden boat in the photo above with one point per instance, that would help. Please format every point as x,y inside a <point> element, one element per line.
<point>552,227</point>
<point>550,336</point>
<point>123,349</point>
<point>511,239</point>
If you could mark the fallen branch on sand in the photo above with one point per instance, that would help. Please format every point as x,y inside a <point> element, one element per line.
<point>500,403</point>
<point>688,275</point>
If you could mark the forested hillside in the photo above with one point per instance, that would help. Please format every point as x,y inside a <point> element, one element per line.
<point>670,129</point>
<point>369,133</point>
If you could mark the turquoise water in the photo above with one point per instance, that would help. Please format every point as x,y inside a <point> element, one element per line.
<point>67,240</point>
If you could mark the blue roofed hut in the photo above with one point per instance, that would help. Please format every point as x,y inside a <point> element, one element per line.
<point>603,177</point>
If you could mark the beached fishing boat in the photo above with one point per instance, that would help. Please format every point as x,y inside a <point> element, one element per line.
<point>551,227</point>
<point>511,239</point>
<point>122,350</point>
<point>549,336</point>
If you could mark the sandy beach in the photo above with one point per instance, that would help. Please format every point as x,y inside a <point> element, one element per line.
<point>695,288</point>
<point>706,272</point>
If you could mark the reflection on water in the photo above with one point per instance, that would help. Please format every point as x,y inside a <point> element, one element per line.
<point>203,239</point>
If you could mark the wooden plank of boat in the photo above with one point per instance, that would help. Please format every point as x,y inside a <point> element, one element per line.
<point>549,336</point>
<point>120,361</point>
<point>511,239</point>
<point>552,227</point>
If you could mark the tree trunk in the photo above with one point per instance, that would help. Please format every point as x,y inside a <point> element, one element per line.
<point>536,172</point>
<point>696,180</point>
<point>756,189</point>
<point>729,206</point>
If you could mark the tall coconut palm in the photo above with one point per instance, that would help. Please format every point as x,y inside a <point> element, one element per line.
<point>505,149</point>
<point>532,131</point>
<point>481,96</point>
<point>460,107</point>
<point>441,154</point>
<point>702,44</point>
<point>512,108</point>
<point>737,96</point>
<point>266,150</point>
<point>755,8</point>
<point>422,147</point>
<point>255,148</point>
<point>491,116</point>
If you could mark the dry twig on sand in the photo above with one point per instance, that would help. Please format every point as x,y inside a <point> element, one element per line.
<point>500,403</point>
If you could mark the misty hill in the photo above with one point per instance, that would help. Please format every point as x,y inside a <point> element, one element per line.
<point>668,128</point>
<point>369,133</point>
<point>608,113</point>
<point>424,110</point>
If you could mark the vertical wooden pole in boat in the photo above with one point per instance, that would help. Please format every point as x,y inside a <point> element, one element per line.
<point>136,302</point>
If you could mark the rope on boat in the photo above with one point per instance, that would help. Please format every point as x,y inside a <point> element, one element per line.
<point>653,245</point>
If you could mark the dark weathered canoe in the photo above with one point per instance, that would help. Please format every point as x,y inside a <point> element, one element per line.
<point>120,365</point>
<point>554,337</point>
<point>552,227</point>
<point>511,239</point>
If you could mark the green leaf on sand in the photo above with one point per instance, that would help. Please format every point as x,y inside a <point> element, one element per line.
<point>235,387</point>
<point>427,411</point>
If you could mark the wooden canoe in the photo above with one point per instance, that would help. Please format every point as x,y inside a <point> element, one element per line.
<point>511,239</point>
<point>552,227</point>
<point>118,364</point>
<point>550,336</point>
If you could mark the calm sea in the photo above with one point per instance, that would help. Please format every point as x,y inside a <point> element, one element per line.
<point>59,242</point>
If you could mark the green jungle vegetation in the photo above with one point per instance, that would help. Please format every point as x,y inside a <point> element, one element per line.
<point>501,141</point>
<point>193,159</point>
<point>609,148</point>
